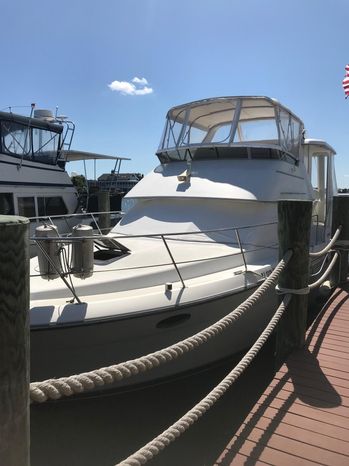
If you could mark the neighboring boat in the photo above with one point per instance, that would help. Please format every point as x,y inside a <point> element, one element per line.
<point>34,183</point>
<point>199,236</point>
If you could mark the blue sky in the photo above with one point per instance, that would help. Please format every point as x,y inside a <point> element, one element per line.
<point>67,53</point>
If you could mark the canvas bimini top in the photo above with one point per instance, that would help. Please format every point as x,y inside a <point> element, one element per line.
<point>224,127</point>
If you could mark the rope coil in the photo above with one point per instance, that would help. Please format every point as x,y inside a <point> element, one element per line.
<point>76,384</point>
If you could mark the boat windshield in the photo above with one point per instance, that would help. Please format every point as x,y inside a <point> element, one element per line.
<point>25,139</point>
<point>232,122</point>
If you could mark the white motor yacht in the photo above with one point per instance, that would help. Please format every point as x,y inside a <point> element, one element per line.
<point>34,182</point>
<point>198,236</point>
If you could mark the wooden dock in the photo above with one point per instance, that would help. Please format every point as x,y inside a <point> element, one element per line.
<point>302,418</point>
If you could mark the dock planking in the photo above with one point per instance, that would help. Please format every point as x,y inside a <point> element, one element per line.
<point>302,416</point>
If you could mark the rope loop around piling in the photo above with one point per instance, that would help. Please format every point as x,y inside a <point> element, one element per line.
<point>67,386</point>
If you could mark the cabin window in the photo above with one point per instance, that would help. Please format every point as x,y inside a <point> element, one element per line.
<point>15,139</point>
<point>6,204</point>
<point>45,145</point>
<point>26,206</point>
<point>51,206</point>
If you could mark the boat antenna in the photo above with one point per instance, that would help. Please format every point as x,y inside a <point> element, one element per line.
<point>26,135</point>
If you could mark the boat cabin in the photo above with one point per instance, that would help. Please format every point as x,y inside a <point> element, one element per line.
<point>226,127</point>
<point>33,180</point>
<point>35,139</point>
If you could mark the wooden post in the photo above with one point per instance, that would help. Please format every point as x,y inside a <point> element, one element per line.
<point>104,206</point>
<point>14,341</point>
<point>340,216</point>
<point>294,233</point>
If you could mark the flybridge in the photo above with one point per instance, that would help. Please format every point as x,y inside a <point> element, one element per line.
<point>224,127</point>
<point>40,138</point>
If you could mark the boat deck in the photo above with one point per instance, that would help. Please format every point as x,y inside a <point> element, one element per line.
<point>302,417</point>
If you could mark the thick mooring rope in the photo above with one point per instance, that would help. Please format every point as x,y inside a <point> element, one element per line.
<point>75,384</point>
<point>326,273</point>
<point>155,446</point>
<point>329,246</point>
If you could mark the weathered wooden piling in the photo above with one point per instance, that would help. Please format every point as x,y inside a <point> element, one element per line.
<point>104,206</point>
<point>294,223</point>
<point>340,216</point>
<point>14,341</point>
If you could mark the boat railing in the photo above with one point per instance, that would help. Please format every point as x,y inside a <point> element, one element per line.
<point>115,240</point>
<point>244,246</point>
<point>86,216</point>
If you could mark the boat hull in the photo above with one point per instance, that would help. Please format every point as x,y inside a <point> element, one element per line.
<point>78,348</point>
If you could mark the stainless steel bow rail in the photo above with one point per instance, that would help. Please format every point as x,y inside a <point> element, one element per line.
<point>293,242</point>
<point>243,248</point>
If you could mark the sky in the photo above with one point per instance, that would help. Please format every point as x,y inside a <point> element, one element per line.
<point>115,67</point>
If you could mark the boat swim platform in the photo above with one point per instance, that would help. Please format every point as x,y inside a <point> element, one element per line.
<point>302,417</point>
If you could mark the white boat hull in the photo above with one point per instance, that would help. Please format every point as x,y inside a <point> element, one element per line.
<point>71,350</point>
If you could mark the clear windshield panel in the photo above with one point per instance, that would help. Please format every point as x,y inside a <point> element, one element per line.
<point>209,123</point>
<point>29,143</point>
<point>290,132</point>
<point>45,145</point>
<point>251,121</point>
<point>257,131</point>
<point>15,139</point>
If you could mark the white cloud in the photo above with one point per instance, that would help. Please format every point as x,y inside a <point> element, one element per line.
<point>142,81</point>
<point>138,86</point>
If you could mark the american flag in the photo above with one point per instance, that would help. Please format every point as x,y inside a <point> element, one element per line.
<point>345,82</point>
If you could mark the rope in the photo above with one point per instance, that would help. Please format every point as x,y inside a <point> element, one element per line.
<point>329,246</point>
<point>67,386</point>
<point>325,275</point>
<point>151,449</point>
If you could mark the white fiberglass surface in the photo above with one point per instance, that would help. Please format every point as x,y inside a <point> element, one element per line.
<point>196,254</point>
<point>161,216</point>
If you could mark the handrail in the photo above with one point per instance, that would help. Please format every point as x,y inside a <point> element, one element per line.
<point>110,237</point>
<point>61,275</point>
<point>158,235</point>
<point>173,261</point>
<point>241,250</point>
<point>78,214</point>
